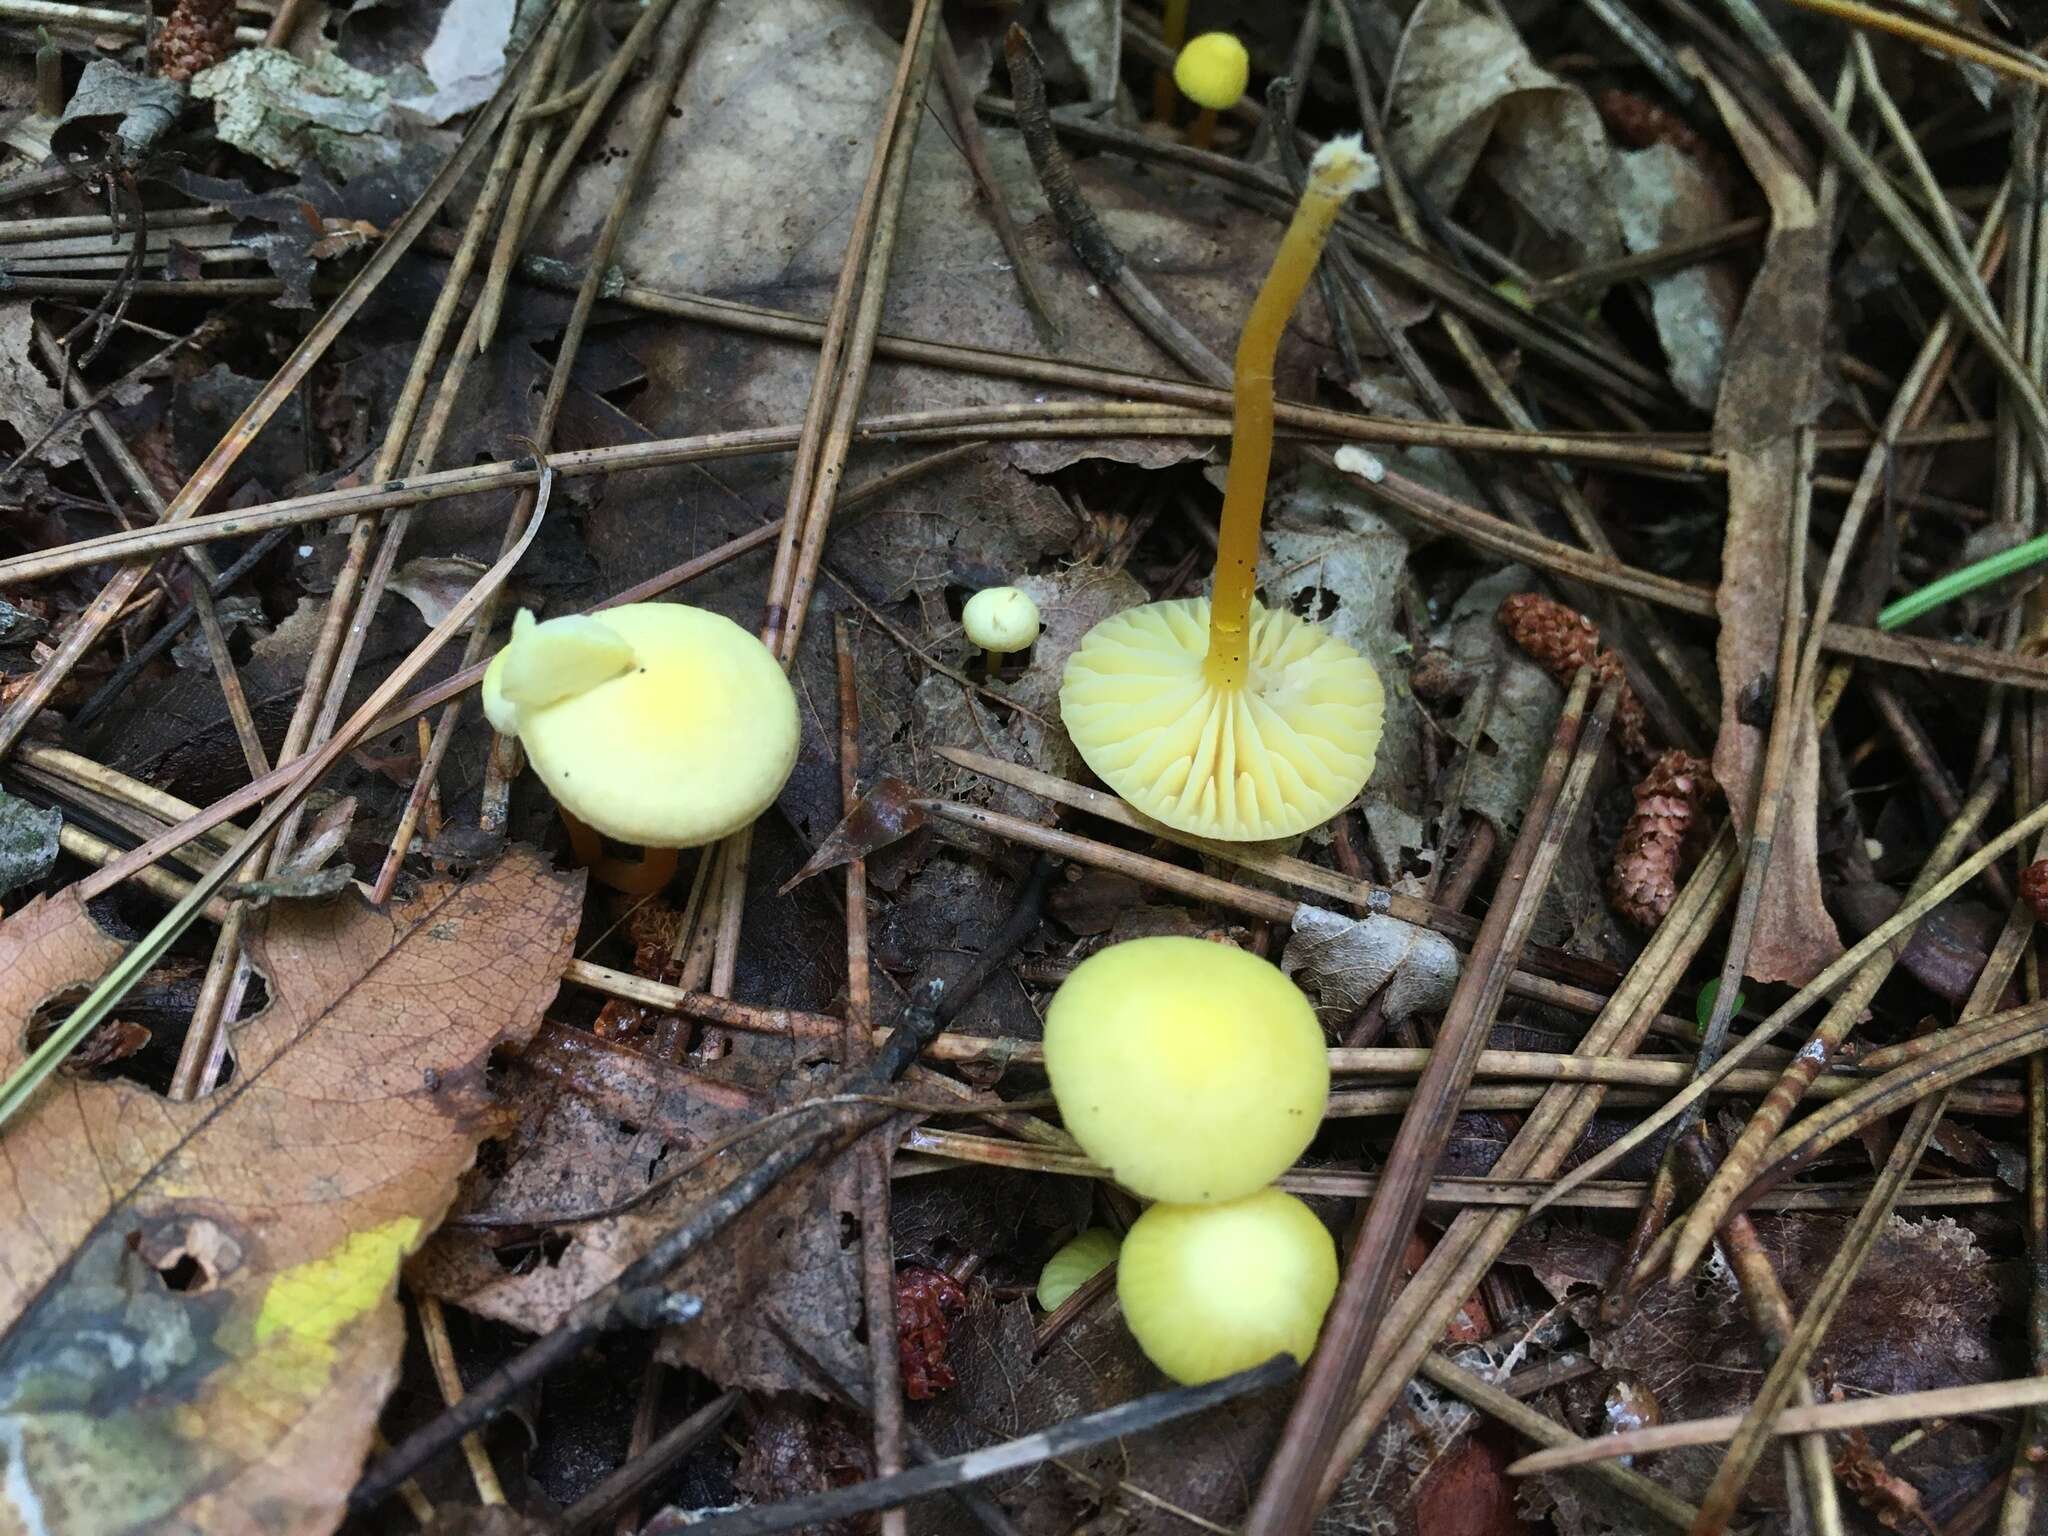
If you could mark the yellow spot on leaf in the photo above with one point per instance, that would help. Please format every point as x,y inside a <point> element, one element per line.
<point>314,1301</point>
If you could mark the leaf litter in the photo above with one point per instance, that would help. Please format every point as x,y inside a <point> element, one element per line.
<point>539,1159</point>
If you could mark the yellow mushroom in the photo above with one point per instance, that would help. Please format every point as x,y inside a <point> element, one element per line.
<point>1212,72</point>
<point>1077,1262</point>
<point>1191,1071</point>
<point>1002,621</point>
<point>652,723</point>
<point>1208,1290</point>
<point>1215,715</point>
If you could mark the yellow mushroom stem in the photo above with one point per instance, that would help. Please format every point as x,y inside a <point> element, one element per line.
<point>1173,30</point>
<point>643,876</point>
<point>1332,177</point>
<point>1203,133</point>
<point>992,666</point>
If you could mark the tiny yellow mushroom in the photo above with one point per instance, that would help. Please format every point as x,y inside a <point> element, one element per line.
<point>651,723</point>
<point>1212,72</point>
<point>1078,1261</point>
<point>1191,1071</point>
<point>1208,1290</point>
<point>1215,715</point>
<point>1002,621</point>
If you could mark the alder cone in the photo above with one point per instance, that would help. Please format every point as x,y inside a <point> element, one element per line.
<point>2034,889</point>
<point>1560,639</point>
<point>196,35</point>
<point>1671,802</point>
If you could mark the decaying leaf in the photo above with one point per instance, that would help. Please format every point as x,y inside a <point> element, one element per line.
<point>1511,710</point>
<point>759,179</point>
<point>1925,1312</point>
<point>1469,86</point>
<point>28,842</point>
<point>29,402</point>
<point>1341,962</point>
<point>434,584</point>
<point>465,61</point>
<point>200,1321</point>
<point>284,111</point>
<point>1206,1466</point>
<point>117,109</point>
<point>1772,387</point>
<point>1664,195</point>
<point>604,1126</point>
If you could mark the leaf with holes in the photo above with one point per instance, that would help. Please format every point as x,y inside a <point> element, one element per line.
<point>197,1313</point>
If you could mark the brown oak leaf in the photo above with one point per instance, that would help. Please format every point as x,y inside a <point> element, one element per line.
<point>198,1320</point>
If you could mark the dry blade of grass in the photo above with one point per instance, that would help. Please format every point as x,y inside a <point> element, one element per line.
<point>1823,1418</point>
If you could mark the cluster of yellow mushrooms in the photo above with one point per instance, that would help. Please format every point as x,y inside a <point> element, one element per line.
<point>1194,1073</point>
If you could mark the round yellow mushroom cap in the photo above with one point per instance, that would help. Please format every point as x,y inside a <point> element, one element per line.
<point>1208,1290</point>
<point>1285,752</point>
<point>1213,70</point>
<point>1000,619</point>
<point>1077,1262</point>
<point>1191,1071</point>
<point>656,724</point>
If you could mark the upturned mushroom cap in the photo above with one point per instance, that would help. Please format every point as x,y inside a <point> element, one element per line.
<point>1000,619</point>
<point>1213,70</point>
<point>1078,1261</point>
<point>1208,1290</point>
<point>1191,1071</point>
<point>688,741</point>
<point>1285,752</point>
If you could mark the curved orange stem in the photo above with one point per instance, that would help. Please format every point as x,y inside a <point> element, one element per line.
<point>630,877</point>
<point>1173,31</point>
<point>1330,180</point>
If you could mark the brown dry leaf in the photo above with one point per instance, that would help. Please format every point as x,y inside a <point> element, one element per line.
<point>1926,1311</point>
<point>200,1320</point>
<point>601,1125</point>
<point>1772,386</point>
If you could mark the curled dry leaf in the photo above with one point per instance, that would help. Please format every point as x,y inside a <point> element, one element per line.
<point>1468,86</point>
<point>199,1319</point>
<point>1342,962</point>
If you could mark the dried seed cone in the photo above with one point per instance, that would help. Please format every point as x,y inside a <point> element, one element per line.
<point>196,35</point>
<point>1671,802</point>
<point>2034,888</point>
<point>1561,640</point>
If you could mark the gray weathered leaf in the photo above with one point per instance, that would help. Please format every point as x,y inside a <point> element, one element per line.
<point>1341,962</point>
<point>28,842</point>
